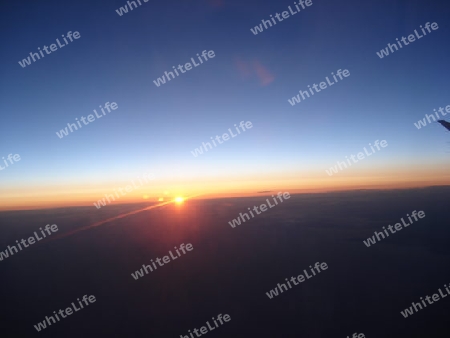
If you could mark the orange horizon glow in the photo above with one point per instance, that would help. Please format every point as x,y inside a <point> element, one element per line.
<point>73,194</point>
<point>59,202</point>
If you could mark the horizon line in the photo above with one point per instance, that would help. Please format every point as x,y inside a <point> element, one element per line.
<point>227,196</point>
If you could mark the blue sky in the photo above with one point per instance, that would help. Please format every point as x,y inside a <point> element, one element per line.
<point>155,128</point>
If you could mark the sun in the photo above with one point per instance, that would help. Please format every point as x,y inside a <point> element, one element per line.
<point>179,199</point>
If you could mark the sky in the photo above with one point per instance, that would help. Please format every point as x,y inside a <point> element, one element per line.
<point>251,77</point>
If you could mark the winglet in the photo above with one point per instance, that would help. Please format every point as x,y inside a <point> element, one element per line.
<point>445,124</point>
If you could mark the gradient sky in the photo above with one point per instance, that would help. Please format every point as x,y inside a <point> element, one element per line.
<point>250,79</point>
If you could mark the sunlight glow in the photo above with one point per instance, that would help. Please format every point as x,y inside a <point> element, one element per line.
<point>179,199</point>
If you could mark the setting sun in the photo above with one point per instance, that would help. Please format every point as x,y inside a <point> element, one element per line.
<point>179,199</point>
